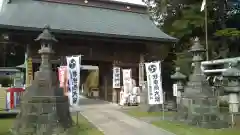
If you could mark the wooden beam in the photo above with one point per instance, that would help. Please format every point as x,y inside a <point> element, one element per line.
<point>122,64</point>
<point>33,34</point>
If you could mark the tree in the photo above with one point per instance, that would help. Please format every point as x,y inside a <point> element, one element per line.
<point>183,19</point>
<point>180,18</point>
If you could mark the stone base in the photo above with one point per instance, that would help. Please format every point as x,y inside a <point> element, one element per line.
<point>214,121</point>
<point>218,124</point>
<point>43,115</point>
<point>144,107</point>
<point>155,108</point>
<point>201,111</point>
<point>208,125</point>
<point>214,125</point>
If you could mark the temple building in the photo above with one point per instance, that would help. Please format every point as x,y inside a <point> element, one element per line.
<point>107,33</point>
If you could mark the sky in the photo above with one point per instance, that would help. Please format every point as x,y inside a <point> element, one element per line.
<point>132,1</point>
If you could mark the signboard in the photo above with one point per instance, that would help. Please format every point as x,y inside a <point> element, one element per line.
<point>73,71</point>
<point>29,71</point>
<point>175,91</point>
<point>154,81</point>
<point>116,77</point>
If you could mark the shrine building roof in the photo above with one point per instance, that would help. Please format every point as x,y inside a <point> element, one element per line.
<point>116,19</point>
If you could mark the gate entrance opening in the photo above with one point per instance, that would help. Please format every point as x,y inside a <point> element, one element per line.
<point>89,76</point>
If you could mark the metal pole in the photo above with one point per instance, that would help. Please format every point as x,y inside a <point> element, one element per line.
<point>77,118</point>
<point>232,118</point>
<point>26,65</point>
<point>206,31</point>
<point>163,107</point>
<point>4,54</point>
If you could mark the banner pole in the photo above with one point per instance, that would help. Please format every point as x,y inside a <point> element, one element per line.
<point>206,31</point>
<point>163,106</point>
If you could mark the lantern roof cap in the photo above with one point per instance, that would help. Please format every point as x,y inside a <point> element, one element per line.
<point>46,35</point>
<point>178,75</point>
<point>197,47</point>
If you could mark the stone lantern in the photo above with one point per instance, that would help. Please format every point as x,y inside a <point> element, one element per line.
<point>179,79</point>
<point>198,105</point>
<point>232,86</point>
<point>44,109</point>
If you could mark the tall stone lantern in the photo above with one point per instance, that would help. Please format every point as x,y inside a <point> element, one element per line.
<point>43,109</point>
<point>198,105</point>
<point>232,86</point>
<point>179,79</point>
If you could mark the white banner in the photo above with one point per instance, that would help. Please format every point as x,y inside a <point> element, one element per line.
<point>154,81</point>
<point>116,77</point>
<point>203,5</point>
<point>73,68</point>
<point>175,91</point>
<point>127,80</point>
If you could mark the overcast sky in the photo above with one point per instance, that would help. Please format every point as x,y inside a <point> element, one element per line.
<point>132,1</point>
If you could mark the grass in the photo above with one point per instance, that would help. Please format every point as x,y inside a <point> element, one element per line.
<point>2,98</point>
<point>5,125</point>
<point>138,114</point>
<point>179,128</point>
<point>83,128</point>
<point>182,129</point>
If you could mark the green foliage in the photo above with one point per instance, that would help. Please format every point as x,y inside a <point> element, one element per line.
<point>180,18</point>
<point>6,81</point>
<point>184,62</point>
<point>190,18</point>
<point>184,20</point>
<point>228,32</point>
<point>92,80</point>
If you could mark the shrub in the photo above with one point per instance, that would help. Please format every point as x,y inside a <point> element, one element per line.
<point>6,81</point>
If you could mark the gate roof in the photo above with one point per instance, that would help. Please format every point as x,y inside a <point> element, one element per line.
<point>77,19</point>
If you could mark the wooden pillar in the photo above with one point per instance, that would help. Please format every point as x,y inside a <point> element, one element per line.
<point>105,88</point>
<point>142,84</point>
<point>114,96</point>
<point>141,70</point>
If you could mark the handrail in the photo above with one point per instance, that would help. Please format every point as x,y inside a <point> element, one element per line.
<point>220,61</point>
<point>217,62</point>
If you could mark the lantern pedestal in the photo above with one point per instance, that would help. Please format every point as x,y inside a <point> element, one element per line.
<point>233,102</point>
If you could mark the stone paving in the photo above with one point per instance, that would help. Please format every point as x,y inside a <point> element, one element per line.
<point>111,121</point>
